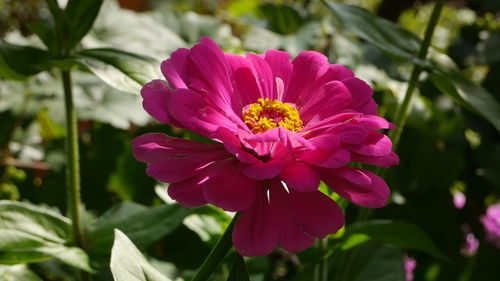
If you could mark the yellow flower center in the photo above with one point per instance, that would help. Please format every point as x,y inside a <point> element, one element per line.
<point>267,114</point>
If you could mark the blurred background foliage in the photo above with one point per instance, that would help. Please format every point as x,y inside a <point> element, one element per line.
<point>446,147</point>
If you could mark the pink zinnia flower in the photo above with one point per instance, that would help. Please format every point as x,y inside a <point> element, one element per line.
<point>279,127</point>
<point>491,222</point>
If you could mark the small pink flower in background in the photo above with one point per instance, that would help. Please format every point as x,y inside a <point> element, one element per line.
<point>459,199</point>
<point>279,128</point>
<point>491,223</point>
<point>409,265</point>
<point>470,246</point>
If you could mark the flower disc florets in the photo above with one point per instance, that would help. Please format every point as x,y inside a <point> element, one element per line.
<point>268,114</point>
<point>279,127</point>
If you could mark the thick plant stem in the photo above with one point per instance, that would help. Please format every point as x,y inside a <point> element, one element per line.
<point>72,159</point>
<point>217,254</point>
<point>402,113</point>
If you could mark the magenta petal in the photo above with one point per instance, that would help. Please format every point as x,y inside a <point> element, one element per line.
<point>292,237</point>
<point>188,192</point>
<point>326,159</point>
<point>179,169</point>
<point>155,96</point>
<point>328,100</point>
<point>281,67</point>
<point>226,188</point>
<point>196,115</point>
<point>316,213</point>
<point>300,177</point>
<point>172,75</point>
<point>255,232</point>
<point>177,68</point>
<point>357,185</point>
<point>361,92</point>
<point>263,171</point>
<point>376,144</point>
<point>308,66</point>
<point>385,161</point>
<point>234,146</point>
<point>154,147</point>
<point>264,76</point>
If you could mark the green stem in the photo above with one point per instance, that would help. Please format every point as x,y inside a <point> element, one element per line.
<point>217,254</point>
<point>402,113</point>
<point>321,269</point>
<point>73,165</point>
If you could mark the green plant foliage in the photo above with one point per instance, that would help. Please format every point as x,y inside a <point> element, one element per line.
<point>20,62</point>
<point>123,70</point>
<point>17,272</point>
<point>400,234</point>
<point>239,270</point>
<point>382,33</point>
<point>81,15</point>
<point>144,225</point>
<point>30,234</point>
<point>128,264</point>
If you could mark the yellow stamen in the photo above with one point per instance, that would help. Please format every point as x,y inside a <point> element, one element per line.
<point>267,114</point>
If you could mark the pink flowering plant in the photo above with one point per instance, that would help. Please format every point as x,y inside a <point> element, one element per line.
<point>279,127</point>
<point>249,140</point>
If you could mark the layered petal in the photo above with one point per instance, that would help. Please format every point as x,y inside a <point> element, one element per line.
<point>317,214</point>
<point>292,238</point>
<point>300,177</point>
<point>255,232</point>
<point>359,186</point>
<point>155,96</point>
<point>225,187</point>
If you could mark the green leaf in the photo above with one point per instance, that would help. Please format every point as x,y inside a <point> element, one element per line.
<point>122,70</point>
<point>19,62</point>
<point>81,16</point>
<point>239,270</point>
<point>128,264</point>
<point>375,262</point>
<point>385,35</point>
<point>143,225</point>
<point>449,80</point>
<point>30,233</point>
<point>46,33</point>
<point>401,234</point>
<point>17,273</point>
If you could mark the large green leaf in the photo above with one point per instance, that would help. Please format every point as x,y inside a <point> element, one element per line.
<point>388,36</point>
<point>18,272</point>
<point>128,264</point>
<point>81,16</point>
<point>373,262</point>
<point>401,234</point>
<point>143,225</point>
<point>30,233</point>
<point>449,80</point>
<point>20,62</point>
<point>122,70</point>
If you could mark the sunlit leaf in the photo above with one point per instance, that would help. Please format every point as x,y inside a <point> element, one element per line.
<point>388,36</point>
<point>128,264</point>
<point>122,70</point>
<point>447,78</point>
<point>30,233</point>
<point>18,272</point>
<point>143,225</point>
<point>401,234</point>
